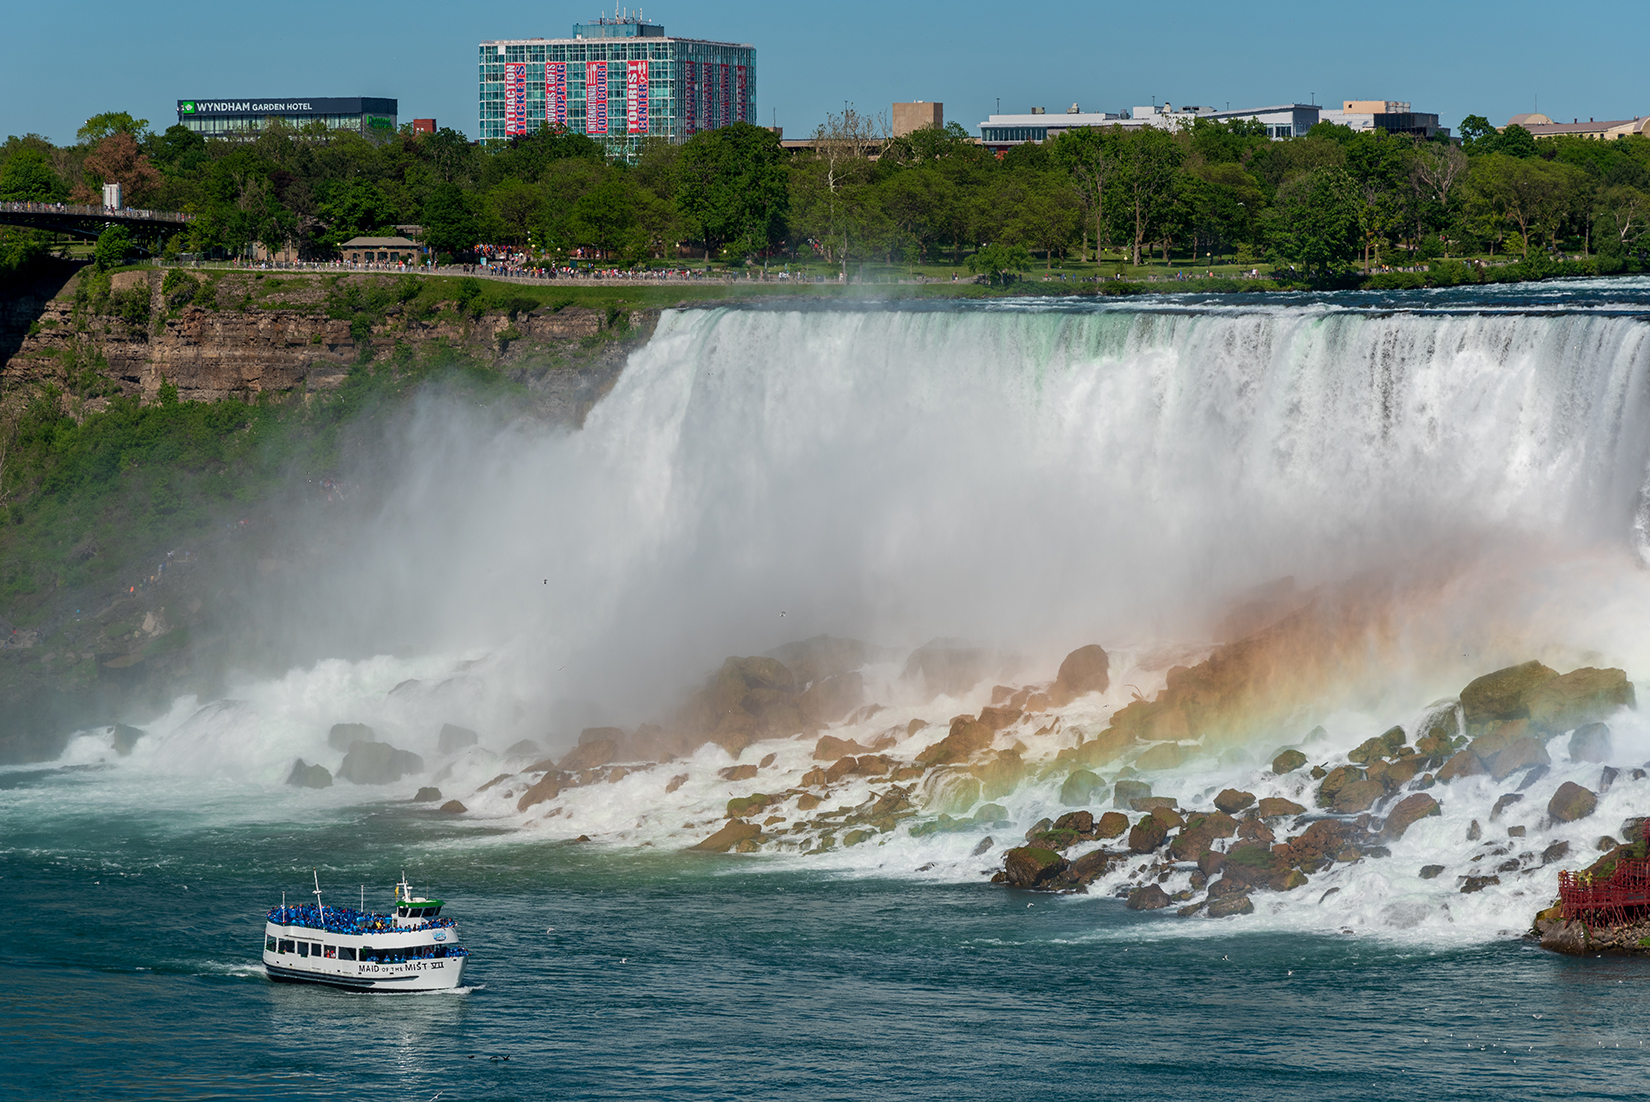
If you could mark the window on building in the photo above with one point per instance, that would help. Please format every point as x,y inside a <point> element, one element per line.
<point>346,952</point>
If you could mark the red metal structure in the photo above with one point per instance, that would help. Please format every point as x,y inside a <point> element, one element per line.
<point>1620,898</point>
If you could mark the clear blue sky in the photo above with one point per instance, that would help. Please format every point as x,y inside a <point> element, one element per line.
<point>63,61</point>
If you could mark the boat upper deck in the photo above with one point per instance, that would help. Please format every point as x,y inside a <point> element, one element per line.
<point>348,920</point>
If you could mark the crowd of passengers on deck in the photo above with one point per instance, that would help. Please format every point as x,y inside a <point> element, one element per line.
<point>348,920</point>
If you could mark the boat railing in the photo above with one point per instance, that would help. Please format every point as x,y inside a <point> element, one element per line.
<point>1612,900</point>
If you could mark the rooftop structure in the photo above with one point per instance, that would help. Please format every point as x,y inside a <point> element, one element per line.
<point>1393,116</point>
<point>915,116</point>
<point>1608,130</point>
<point>246,118</point>
<point>1002,132</point>
<point>618,81</point>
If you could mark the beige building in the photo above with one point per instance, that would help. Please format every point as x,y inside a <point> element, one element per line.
<point>915,116</point>
<point>381,250</point>
<point>1604,130</point>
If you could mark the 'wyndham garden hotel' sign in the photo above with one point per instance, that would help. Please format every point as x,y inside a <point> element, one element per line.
<point>196,108</point>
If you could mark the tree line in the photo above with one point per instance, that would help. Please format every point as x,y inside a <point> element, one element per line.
<point>1330,201</point>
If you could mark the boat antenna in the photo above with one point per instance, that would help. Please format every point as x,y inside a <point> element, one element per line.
<point>363,897</point>
<point>320,911</point>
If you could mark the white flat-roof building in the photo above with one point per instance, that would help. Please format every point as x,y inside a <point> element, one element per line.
<point>1002,132</point>
<point>1393,116</point>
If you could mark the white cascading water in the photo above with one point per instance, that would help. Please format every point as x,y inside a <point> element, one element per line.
<point>1030,477</point>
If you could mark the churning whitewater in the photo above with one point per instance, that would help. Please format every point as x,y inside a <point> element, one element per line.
<point>1459,485</point>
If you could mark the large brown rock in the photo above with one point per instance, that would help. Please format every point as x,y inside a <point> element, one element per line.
<point>1579,697</point>
<point>1336,780</point>
<point>1149,898</point>
<point>1571,802</point>
<point>454,738</point>
<point>1465,763</point>
<point>1080,787</point>
<point>304,775</point>
<point>344,735</point>
<point>1165,755</point>
<point>1288,761</point>
<point>548,787</point>
<point>1032,866</point>
<point>831,748</point>
<point>1111,825</point>
<point>1520,754</point>
<point>1273,807</point>
<point>1149,833</point>
<point>1231,800</point>
<point>999,718</point>
<point>1085,670</point>
<point>597,746</point>
<point>949,666</point>
<point>968,736</point>
<point>378,763</point>
<point>1590,743</point>
<point>1504,694</point>
<point>1407,811</point>
<point>735,832</point>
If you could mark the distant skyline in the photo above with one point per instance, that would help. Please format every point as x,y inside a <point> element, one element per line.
<point>64,62</point>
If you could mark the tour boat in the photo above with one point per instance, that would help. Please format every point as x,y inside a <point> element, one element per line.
<point>414,949</point>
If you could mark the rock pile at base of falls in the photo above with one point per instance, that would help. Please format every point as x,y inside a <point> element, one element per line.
<point>378,763</point>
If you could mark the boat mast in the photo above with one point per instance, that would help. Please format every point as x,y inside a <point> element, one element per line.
<point>320,912</point>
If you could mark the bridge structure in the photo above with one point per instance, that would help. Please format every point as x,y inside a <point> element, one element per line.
<point>84,220</point>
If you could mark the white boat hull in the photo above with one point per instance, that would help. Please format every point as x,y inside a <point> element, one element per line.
<point>413,975</point>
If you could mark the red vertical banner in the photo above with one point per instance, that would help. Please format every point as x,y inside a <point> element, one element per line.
<point>741,112</point>
<point>515,98</point>
<point>725,103</point>
<point>595,97</point>
<point>707,98</point>
<point>555,93</point>
<point>635,97</point>
<point>690,98</point>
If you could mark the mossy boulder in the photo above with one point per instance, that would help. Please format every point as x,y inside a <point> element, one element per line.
<point>1288,761</point>
<point>1032,866</point>
<point>1112,824</point>
<point>1504,694</point>
<point>1148,834</point>
<point>1336,780</point>
<point>741,806</point>
<point>1082,822</point>
<point>733,833</point>
<point>1572,802</point>
<point>1381,746</point>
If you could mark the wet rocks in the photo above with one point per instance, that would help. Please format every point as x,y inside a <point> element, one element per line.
<point>1336,780</point>
<point>597,746</point>
<point>1571,802</point>
<point>1229,905</point>
<point>1272,807</point>
<point>1149,898</point>
<point>1125,792</point>
<point>1504,694</point>
<point>125,737</point>
<point>1358,796</point>
<point>1231,800</point>
<point>1407,812</point>
<point>1079,787</point>
<point>1288,761</point>
<point>735,832</point>
<point>427,795</point>
<point>831,698</point>
<point>378,763</point>
<point>1164,755</point>
<point>1579,697</point>
<point>1149,833</point>
<point>344,735</point>
<point>1032,866</point>
<point>967,736</point>
<point>304,775</point>
<point>1503,803</point>
<point>1111,825</point>
<point>454,738</point>
<point>1590,742</point>
<point>949,666</point>
<point>548,787</point>
<point>1471,884</point>
<point>1430,872</point>
<point>1085,670</point>
<point>1381,746</point>
<point>453,807</point>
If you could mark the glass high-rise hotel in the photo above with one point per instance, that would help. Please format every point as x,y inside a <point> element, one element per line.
<point>617,81</point>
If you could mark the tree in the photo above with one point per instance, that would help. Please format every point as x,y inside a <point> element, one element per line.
<point>998,261</point>
<point>28,178</point>
<point>114,245</point>
<point>1317,220</point>
<point>1475,129</point>
<point>732,188</point>
<point>117,159</point>
<point>1526,192</point>
<point>1623,213</point>
<point>1147,164</point>
<point>1090,157</point>
<point>99,127</point>
<point>516,207</point>
<point>605,217</point>
<point>449,224</point>
<point>1434,172</point>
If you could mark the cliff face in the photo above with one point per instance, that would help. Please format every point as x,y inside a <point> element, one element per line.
<point>253,335</point>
